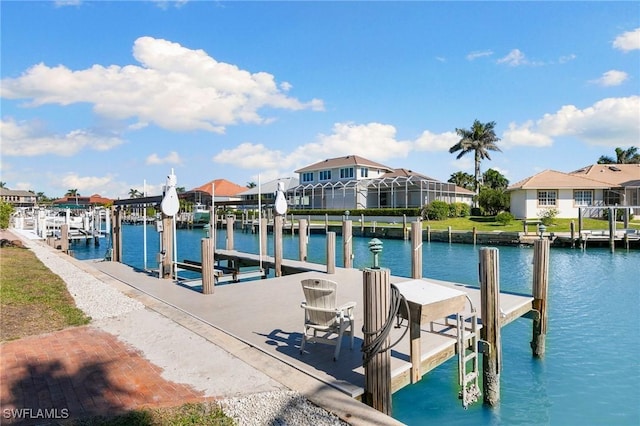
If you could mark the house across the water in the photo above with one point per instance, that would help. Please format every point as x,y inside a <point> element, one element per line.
<point>354,182</point>
<point>588,189</point>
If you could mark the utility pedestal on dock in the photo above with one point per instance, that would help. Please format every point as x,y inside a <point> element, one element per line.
<point>540,292</point>
<point>490,310</point>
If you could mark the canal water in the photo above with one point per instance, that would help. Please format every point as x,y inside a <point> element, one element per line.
<point>590,374</point>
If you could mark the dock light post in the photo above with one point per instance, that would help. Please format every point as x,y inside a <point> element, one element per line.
<point>375,247</point>
<point>541,229</point>
<point>346,214</point>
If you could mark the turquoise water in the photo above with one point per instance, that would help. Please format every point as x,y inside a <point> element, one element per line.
<point>590,374</point>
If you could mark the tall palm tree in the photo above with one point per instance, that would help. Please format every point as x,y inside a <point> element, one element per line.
<point>3,184</point>
<point>72,193</point>
<point>623,156</point>
<point>479,139</point>
<point>134,193</point>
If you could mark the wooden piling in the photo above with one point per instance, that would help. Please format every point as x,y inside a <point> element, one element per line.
<point>428,233</point>
<point>263,235</point>
<point>331,252</point>
<point>612,229</point>
<point>302,241</point>
<point>116,232</point>
<point>277,244</point>
<point>405,234</point>
<point>490,333</point>
<point>326,222</point>
<point>208,282</point>
<point>347,244</point>
<point>377,372</point>
<point>540,292</point>
<point>416,252</point>
<point>64,238</point>
<point>167,246</point>
<point>230,242</point>
<point>475,235</point>
<point>572,228</point>
<point>362,222</point>
<point>449,232</point>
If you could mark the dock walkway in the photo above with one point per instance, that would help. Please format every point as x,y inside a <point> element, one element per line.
<point>266,314</point>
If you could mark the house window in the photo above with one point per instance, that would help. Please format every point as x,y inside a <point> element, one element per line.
<point>324,175</point>
<point>307,177</point>
<point>364,172</point>
<point>547,198</point>
<point>346,173</point>
<point>583,197</point>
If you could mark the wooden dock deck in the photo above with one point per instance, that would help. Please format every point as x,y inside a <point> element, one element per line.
<point>266,314</point>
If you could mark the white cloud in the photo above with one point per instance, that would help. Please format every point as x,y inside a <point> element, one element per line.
<point>609,122</point>
<point>174,87</point>
<point>523,135</point>
<point>567,58</point>
<point>436,142</point>
<point>479,54</point>
<point>86,185</point>
<point>627,41</point>
<point>517,58</point>
<point>374,141</point>
<point>514,58</point>
<point>611,78</point>
<point>28,139</point>
<point>171,158</point>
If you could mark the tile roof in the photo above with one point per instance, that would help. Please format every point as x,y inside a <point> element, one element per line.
<point>349,160</point>
<point>614,174</point>
<point>223,188</point>
<point>405,173</point>
<point>551,179</point>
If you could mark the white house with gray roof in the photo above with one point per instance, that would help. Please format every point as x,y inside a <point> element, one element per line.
<point>354,182</point>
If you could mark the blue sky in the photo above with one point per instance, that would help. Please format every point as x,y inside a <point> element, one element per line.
<point>103,96</point>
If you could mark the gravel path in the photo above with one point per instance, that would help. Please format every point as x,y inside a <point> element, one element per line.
<point>249,396</point>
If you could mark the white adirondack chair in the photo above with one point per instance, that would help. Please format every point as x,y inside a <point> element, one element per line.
<point>323,319</point>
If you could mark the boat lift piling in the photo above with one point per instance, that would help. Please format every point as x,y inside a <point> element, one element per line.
<point>491,323</point>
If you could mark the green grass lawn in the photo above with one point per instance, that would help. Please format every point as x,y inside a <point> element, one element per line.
<point>488,224</point>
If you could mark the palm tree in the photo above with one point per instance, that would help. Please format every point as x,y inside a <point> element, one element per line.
<point>462,179</point>
<point>72,193</point>
<point>3,184</point>
<point>479,139</point>
<point>134,193</point>
<point>623,156</point>
<point>251,184</point>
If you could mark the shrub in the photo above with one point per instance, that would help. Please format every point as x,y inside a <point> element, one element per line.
<point>619,215</point>
<point>5,214</point>
<point>437,210</point>
<point>504,218</point>
<point>548,215</point>
<point>459,210</point>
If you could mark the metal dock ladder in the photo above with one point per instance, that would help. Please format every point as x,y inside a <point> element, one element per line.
<point>468,358</point>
